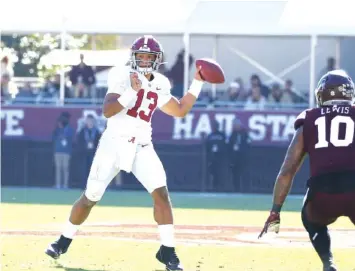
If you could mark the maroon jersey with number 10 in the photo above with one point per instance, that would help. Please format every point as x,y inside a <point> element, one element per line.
<point>329,138</point>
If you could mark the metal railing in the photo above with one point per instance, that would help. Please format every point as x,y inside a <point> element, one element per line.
<point>34,166</point>
<point>54,101</point>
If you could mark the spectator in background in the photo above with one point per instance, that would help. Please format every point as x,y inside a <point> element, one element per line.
<point>62,139</point>
<point>88,139</point>
<point>234,93</point>
<point>83,79</point>
<point>9,89</point>
<point>240,81</point>
<point>255,101</point>
<point>216,151</point>
<point>49,92</point>
<point>6,67</point>
<point>5,90</point>
<point>176,74</point>
<point>51,89</point>
<point>238,147</point>
<point>206,96</point>
<point>289,92</point>
<point>27,93</point>
<point>256,82</point>
<point>331,65</point>
<point>278,98</point>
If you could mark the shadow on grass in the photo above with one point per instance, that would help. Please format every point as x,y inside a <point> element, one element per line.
<point>64,268</point>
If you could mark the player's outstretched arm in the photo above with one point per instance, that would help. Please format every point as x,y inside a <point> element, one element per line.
<point>179,108</point>
<point>293,160</point>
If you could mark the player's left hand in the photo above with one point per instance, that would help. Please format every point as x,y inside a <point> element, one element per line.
<point>272,223</point>
<point>197,74</point>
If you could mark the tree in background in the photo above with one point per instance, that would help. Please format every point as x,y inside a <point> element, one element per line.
<point>27,50</point>
<point>102,42</point>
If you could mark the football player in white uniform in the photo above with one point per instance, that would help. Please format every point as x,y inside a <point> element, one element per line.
<point>134,92</point>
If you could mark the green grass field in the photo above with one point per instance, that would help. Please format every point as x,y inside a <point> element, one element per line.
<point>214,232</point>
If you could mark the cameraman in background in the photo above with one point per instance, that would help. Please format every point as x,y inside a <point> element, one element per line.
<point>216,152</point>
<point>62,139</point>
<point>238,148</point>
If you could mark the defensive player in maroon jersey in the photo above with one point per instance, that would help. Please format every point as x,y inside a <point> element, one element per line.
<point>326,134</point>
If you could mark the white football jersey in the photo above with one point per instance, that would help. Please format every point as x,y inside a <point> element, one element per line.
<point>135,120</point>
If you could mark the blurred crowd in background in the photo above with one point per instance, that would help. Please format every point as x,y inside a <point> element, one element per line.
<point>81,87</point>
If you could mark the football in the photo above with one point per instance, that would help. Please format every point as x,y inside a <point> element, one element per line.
<point>211,71</point>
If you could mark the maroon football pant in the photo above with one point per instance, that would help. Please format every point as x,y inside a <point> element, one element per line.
<point>324,208</point>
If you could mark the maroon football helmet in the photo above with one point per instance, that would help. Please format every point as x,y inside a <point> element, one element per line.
<point>335,87</point>
<point>146,45</point>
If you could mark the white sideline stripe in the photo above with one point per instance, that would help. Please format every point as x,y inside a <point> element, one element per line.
<point>141,224</point>
<point>126,230</point>
<point>196,242</point>
<point>194,229</point>
<point>244,239</point>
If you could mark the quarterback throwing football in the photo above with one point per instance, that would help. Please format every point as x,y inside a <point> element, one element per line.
<point>134,93</point>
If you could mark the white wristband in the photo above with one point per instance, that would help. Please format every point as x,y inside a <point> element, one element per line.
<point>127,96</point>
<point>195,87</point>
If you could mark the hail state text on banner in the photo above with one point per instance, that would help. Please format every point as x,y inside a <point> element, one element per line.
<point>265,127</point>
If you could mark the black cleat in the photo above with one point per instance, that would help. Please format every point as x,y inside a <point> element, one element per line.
<point>167,256</point>
<point>54,250</point>
<point>329,267</point>
<point>59,247</point>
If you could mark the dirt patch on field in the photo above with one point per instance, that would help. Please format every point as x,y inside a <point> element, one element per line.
<point>200,234</point>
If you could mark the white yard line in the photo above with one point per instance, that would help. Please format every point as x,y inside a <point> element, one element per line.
<point>296,238</point>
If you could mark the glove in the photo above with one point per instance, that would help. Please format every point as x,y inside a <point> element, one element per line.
<point>272,223</point>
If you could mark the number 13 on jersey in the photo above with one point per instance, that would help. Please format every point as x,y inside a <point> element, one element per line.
<point>137,111</point>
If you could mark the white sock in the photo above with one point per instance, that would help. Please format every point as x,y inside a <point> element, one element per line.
<point>70,230</point>
<point>167,235</point>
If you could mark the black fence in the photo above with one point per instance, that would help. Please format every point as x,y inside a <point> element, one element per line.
<point>28,163</point>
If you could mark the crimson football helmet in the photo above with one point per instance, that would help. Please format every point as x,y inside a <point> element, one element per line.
<point>146,45</point>
<point>335,87</point>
